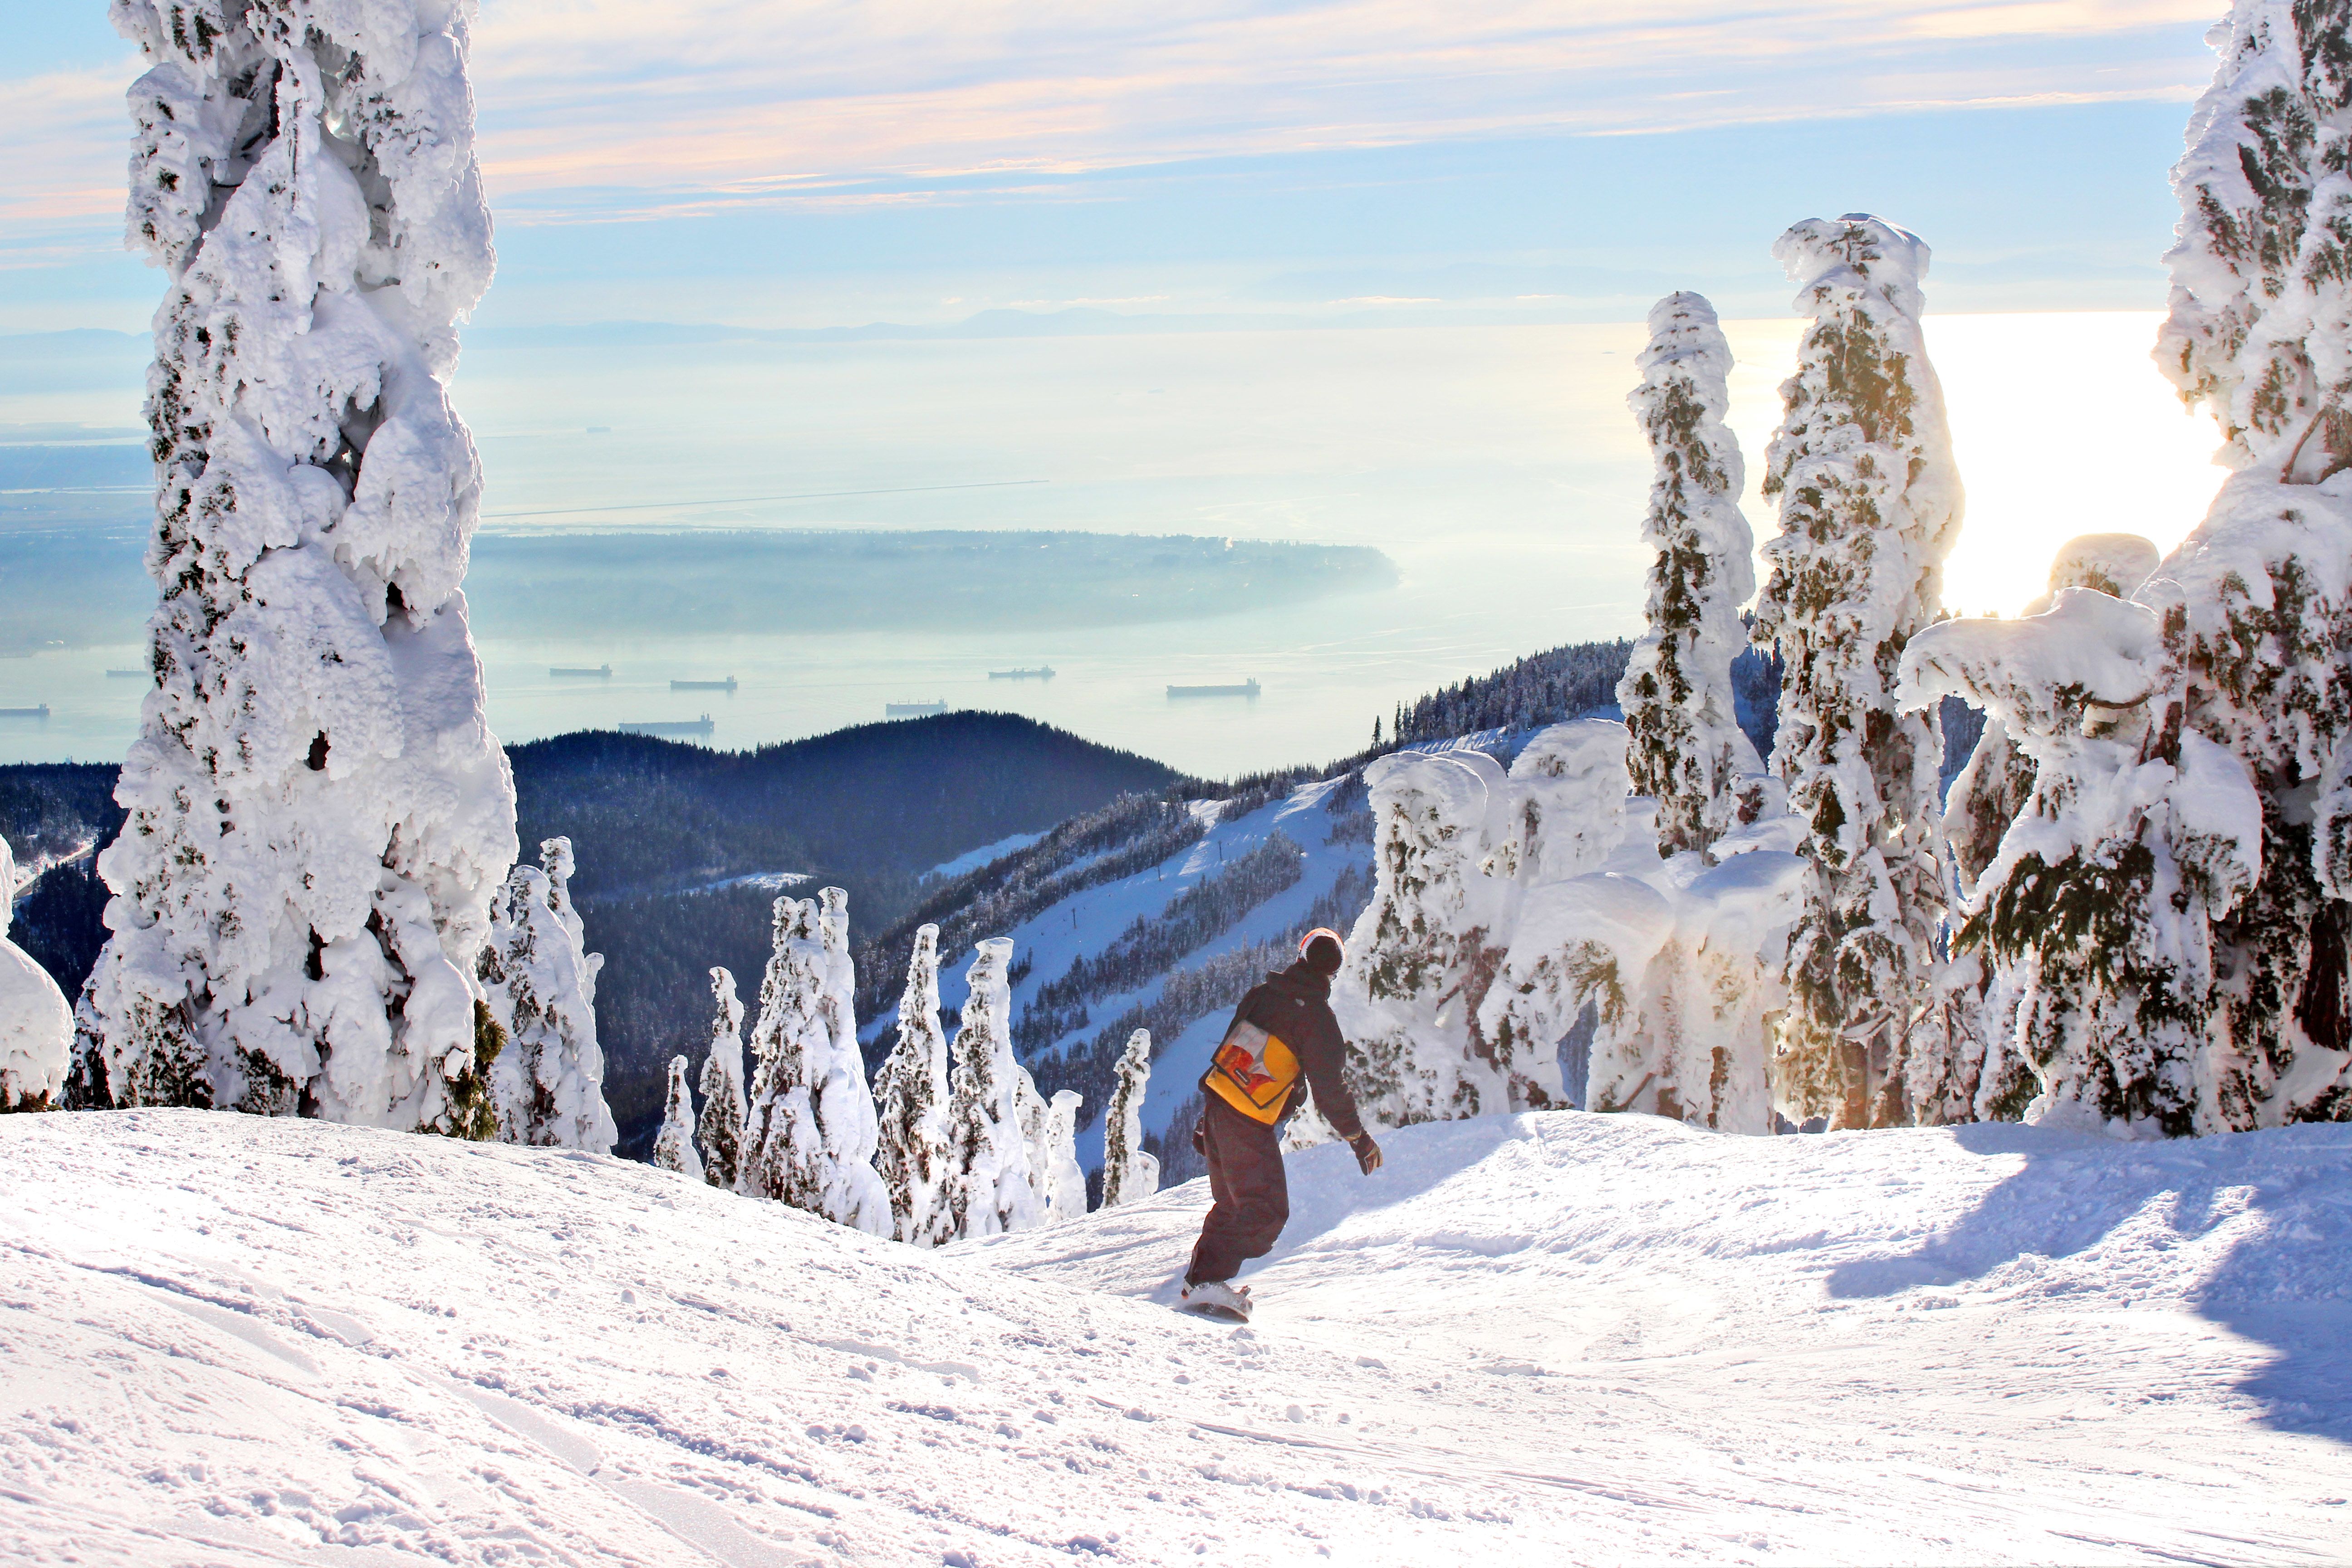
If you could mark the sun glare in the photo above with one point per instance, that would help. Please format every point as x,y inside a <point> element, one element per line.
<point>2062,425</point>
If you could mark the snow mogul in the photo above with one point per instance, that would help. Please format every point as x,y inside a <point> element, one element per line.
<point>1283,1036</point>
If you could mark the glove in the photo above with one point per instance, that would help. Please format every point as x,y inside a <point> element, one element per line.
<point>1368,1153</point>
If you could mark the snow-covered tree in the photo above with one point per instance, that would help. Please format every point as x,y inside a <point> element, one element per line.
<point>2104,897</point>
<point>845,1100</point>
<point>912,1156</point>
<point>319,816</point>
<point>803,1130</point>
<point>1687,751</point>
<point>1459,846</point>
<point>1675,957</point>
<point>2261,292</point>
<point>548,1083</point>
<point>2258,616</point>
<point>36,1025</point>
<point>2257,608</point>
<point>990,1187</point>
<point>1131,1172</point>
<point>1036,1133</point>
<point>1553,962</point>
<point>1425,950</point>
<point>783,1151</point>
<point>725,1111</point>
<point>1992,789</point>
<point>674,1145</point>
<point>1065,1179</point>
<point>1870,503</point>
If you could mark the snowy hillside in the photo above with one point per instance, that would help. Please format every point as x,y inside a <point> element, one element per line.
<point>1159,919</point>
<point>1553,1338</point>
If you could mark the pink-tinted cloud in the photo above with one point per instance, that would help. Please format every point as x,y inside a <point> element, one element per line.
<point>611,108</point>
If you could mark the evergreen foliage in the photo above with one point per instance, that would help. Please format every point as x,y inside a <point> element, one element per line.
<point>810,1134</point>
<point>540,987</point>
<point>2262,270</point>
<point>1869,502</point>
<point>2100,907</point>
<point>725,1109</point>
<point>1129,835</point>
<point>1542,689</point>
<point>1686,750</point>
<point>1129,1173</point>
<point>990,1187</point>
<point>673,1145</point>
<point>784,1149</point>
<point>912,1096</point>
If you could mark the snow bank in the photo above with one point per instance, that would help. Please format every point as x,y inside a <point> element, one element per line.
<point>1557,1338</point>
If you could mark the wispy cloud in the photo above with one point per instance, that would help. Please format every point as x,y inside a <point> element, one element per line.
<point>594,109</point>
<point>764,101</point>
<point>68,140</point>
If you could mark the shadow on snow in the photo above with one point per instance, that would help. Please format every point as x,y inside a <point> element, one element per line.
<point>2286,1283</point>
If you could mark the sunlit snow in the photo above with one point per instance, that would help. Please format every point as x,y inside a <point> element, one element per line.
<point>1559,1337</point>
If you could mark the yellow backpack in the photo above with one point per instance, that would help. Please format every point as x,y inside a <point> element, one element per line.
<point>1252,1071</point>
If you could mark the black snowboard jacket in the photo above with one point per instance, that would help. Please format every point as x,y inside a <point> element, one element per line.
<point>1294,1006</point>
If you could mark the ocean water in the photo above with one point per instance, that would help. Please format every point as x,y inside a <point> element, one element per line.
<point>1495,466</point>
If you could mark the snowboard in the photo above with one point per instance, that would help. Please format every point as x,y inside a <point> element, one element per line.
<point>1217,1302</point>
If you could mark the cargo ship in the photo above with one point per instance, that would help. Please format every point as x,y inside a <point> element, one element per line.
<point>914,710</point>
<point>567,671</point>
<point>1246,689</point>
<point>42,711</point>
<point>726,685</point>
<point>1042,672</point>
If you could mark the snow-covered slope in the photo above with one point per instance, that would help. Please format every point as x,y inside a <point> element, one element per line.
<point>1557,1338</point>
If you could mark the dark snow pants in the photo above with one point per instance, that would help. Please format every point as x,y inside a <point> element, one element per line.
<point>1251,1199</point>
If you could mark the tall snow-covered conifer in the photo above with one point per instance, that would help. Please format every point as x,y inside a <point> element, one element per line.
<point>990,1190</point>
<point>1686,749</point>
<point>845,1100</point>
<point>319,815</point>
<point>2258,601</point>
<point>673,1145</point>
<point>1870,504</point>
<point>791,1045</point>
<point>802,1137</point>
<point>36,1025</point>
<point>1065,1179</point>
<point>911,1094</point>
<point>1131,1172</point>
<point>548,1082</point>
<point>724,1107</point>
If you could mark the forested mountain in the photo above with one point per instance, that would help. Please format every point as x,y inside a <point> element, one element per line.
<point>680,850</point>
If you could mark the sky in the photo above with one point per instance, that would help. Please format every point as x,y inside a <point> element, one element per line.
<point>1339,271</point>
<point>807,163</point>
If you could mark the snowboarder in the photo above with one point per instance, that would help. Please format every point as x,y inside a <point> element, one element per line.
<point>1282,1034</point>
